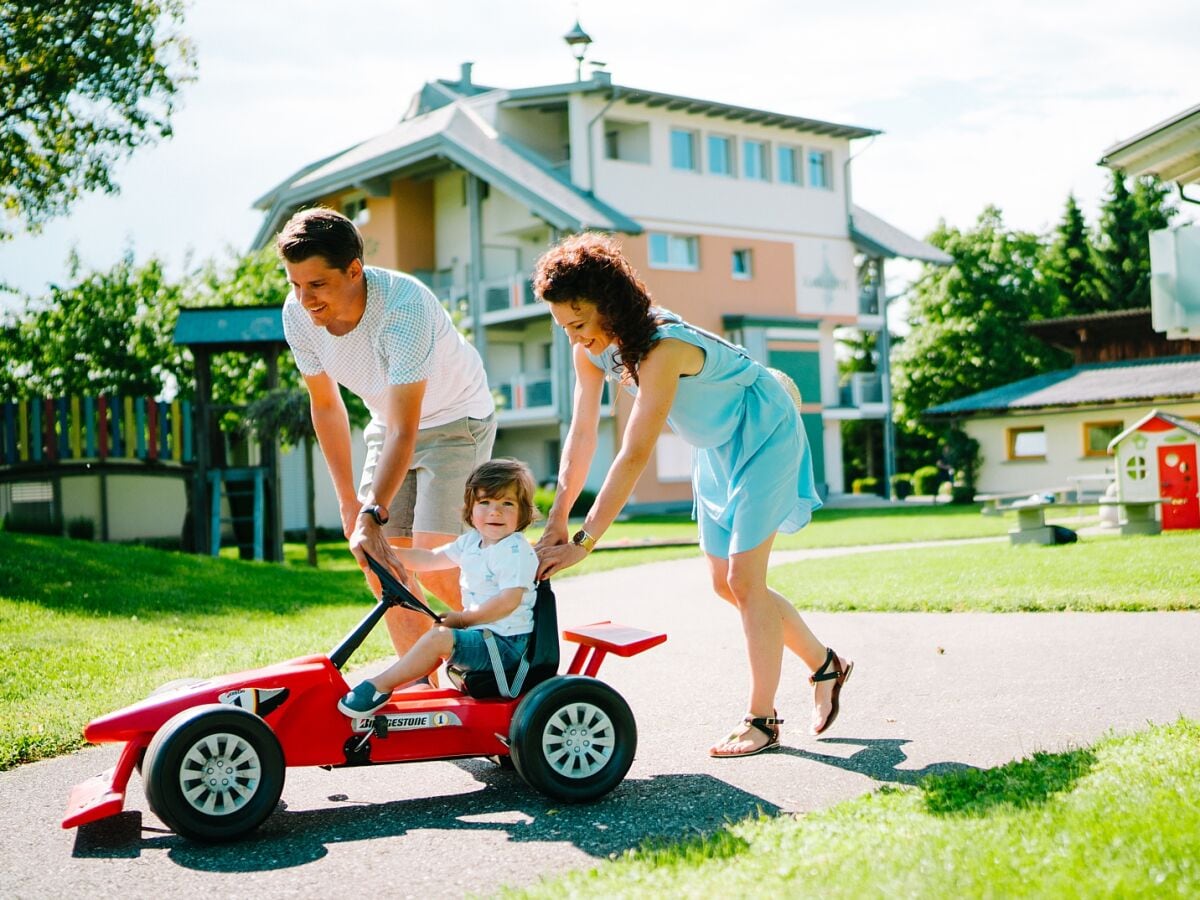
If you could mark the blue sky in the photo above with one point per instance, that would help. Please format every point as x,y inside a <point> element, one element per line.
<point>1007,103</point>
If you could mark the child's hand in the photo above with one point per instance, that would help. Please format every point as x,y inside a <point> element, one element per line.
<point>454,619</point>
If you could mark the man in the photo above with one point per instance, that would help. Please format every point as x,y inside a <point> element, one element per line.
<point>384,336</point>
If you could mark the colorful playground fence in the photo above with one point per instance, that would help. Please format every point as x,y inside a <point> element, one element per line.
<point>101,428</point>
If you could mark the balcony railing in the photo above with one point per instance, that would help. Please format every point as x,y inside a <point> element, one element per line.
<point>526,390</point>
<point>512,292</point>
<point>863,389</point>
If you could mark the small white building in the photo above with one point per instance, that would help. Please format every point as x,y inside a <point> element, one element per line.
<point>1156,458</point>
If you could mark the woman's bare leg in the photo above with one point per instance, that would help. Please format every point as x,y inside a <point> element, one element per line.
<point>769,623</point>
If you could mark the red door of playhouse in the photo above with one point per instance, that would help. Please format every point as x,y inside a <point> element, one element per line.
<point>1177,480</point>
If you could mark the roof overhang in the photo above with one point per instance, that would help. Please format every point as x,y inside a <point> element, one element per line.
<point>456,137</point>
<point>875,237</point>
<point>1170,150</point>
<point>221,328</point>
<point>603,86</point>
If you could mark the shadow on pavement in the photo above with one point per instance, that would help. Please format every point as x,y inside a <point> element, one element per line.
<point>954,788</point>
<point>879,759</point>
<point>684,806</point>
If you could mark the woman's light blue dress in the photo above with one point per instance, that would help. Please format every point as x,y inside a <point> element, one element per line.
<point>752,472</point>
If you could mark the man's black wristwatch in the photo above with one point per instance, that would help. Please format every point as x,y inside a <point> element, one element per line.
<point>376,512</point>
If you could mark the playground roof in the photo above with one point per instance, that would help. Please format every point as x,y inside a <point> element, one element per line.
<point>220,328</point>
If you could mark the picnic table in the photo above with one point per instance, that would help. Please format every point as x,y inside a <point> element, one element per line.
<point>1031,522</point>
<point>995,504</point>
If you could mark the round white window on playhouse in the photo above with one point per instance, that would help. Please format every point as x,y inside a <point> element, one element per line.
<point>1172,460</point>
<point>1135,468</point>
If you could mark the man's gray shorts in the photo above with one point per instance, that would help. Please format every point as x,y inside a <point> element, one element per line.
<point>431,498</point>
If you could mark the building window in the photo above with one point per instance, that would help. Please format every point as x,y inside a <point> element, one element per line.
<point>754,160</point>
<point>720,155</point>
<point>683,150</point>
<point>1098,435</point>
<point>743,269</point>
<point>355,209</point>
<point>788,165</point>
<point>674,251</point>
<point>627,141</point>
<point>1027,443</point>
<point>820,170</point>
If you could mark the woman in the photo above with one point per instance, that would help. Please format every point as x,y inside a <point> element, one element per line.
<point>752,474</point>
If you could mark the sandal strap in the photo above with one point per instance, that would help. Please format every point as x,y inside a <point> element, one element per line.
<point>822,674</point>
<point>766,724</point>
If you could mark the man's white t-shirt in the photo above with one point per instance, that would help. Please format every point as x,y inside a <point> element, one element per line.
<point>404,336</point>
<point>486,571</point>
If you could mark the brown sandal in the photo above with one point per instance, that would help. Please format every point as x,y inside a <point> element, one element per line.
<point>768,725</point>
<point>841,674</point>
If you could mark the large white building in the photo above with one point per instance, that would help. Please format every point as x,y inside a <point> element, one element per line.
<point>737,218</point>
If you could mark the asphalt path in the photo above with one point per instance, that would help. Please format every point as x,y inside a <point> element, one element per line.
<point>931,692</point>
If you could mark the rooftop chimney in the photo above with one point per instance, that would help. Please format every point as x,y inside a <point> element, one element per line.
<point>464,78</point>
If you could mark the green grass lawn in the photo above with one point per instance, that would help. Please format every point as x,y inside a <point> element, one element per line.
<point>1120,819</point>
<point>87,627</point>
<point>1098,573</point>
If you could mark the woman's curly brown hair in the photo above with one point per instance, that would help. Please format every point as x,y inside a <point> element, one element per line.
<point>590,267</point>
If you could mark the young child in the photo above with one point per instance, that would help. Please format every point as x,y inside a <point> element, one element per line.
<point>497,572</point>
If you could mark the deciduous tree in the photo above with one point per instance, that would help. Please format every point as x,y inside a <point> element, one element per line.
<point>83,83</point>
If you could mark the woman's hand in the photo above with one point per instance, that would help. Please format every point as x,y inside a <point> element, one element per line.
<point>554,559</point>
<point>554,535</point>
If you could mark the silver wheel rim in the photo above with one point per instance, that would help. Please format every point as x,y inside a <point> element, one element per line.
<point>220,774</point>
<point>579,740</point>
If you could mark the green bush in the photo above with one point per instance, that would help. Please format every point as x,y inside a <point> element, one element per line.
<point>902,485</point>
<point>962,493</point>
<point>543,499</point>
<point>82,529</point>
<point>866,485</point>
<point>925,480</point>
<point>19,525</point>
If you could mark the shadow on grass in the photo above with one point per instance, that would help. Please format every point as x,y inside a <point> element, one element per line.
<point>117,580</point>
<point>1019,785</point>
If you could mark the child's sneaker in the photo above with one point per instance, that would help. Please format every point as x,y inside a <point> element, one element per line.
<point>362,701</point>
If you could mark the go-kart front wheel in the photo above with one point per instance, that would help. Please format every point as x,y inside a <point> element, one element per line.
<point>573,738</point>
<point>214,773</point>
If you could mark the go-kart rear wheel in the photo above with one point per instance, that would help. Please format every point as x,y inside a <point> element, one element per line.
<point>573,738</point>
<point>214,773</point>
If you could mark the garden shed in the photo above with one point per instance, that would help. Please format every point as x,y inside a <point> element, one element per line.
<point>1156,458</point>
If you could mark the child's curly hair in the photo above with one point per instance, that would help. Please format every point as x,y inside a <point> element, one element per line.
<point>590,266</point>
<point>495,477</point>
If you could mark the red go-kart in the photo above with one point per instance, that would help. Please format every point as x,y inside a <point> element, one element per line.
<point>212,754</point>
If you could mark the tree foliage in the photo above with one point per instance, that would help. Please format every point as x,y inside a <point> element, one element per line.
<point>967,319</point>
<point>82,84</point>
<point>1126,219</point>
<point>1071,264</point>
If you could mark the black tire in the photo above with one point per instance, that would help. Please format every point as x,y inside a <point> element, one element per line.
<point>573,738</point>
<point>188,748</point>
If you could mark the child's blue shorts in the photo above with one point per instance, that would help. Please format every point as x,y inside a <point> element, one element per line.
<point>471,653</point>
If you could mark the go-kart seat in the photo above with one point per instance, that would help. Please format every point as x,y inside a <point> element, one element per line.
<point>542,652</point>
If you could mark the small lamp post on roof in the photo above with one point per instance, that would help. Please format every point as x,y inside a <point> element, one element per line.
<point>578,39</point>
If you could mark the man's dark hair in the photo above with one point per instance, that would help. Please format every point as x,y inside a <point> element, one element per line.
<point>320,231</point>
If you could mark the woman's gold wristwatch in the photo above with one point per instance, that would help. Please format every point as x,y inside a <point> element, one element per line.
<point>584,540</point>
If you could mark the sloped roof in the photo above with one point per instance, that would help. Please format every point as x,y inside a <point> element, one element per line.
<point>456,133</point>
<point>601,84</point>
<point>1182,424</point>
<point>875,236</point>
<point>1170,150</point>
<point>1096,383</point>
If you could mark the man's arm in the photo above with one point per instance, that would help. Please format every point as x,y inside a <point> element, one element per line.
<point>403,422</point>
<point>332,426</point>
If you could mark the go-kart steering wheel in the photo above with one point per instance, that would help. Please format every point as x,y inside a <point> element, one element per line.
<point>395,593</point>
